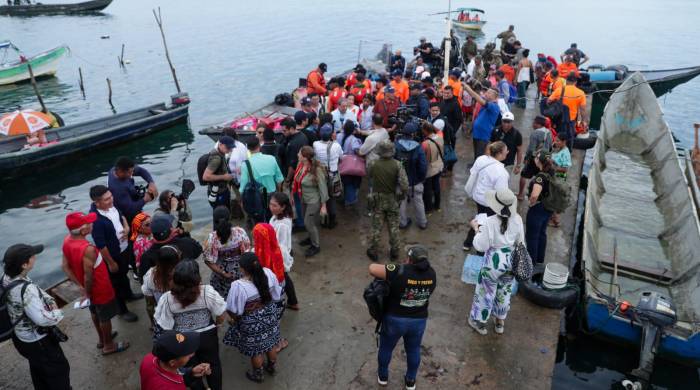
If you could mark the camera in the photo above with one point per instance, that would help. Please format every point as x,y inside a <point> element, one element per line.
<point>186,190</point>
<point>141,190</point>
<point>54,332</point>
<point>403,115</point>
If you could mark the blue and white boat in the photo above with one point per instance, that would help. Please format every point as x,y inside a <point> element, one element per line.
<point>641,238</point>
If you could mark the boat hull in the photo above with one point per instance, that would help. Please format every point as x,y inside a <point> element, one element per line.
<point>660,86</point>
<point>115,133</point>
<point>49,9</point>
<point>621,330</point>
<point>43,65</point>
<point>470,26</point>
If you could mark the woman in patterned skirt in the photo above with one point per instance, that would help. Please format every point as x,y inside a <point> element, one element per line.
<point>222,252</point>
<point>252,305</point>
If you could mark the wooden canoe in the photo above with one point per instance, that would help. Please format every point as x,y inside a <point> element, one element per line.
<point>48,9</point>
<point>81,137</point>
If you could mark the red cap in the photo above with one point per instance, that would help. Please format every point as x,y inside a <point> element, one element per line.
<point>78,219</point>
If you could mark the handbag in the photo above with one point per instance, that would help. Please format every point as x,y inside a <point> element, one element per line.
<point>352,165</point>
<point>521,262</point>
<point>554,109</point>
<point>335,186</point>
<point>450,155</point>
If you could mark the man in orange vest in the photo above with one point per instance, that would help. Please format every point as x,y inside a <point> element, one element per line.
<point>400,85</point>
<point>315,82</point>
<point>454,82</point>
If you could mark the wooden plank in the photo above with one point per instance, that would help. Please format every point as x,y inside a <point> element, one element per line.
<point>658,274</point>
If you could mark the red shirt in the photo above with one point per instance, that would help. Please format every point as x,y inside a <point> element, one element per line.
<point>155,378</point>
<point>74,251</point>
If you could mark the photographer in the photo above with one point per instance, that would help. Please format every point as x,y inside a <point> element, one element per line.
<point>419,101</point>
<point>129,199</point>
<point>35,315</point>
<point>426,50</point>
<point>175,205</point>
<point>217,173</point>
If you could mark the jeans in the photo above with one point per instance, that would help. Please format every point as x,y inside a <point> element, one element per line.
<point>536,231</point>
<point>414,200</point>
<point>479,147</point>
<point>431,193</point>
<point>393,328</point>
<point>299,213</point>
<point>48,365</point>
<point>522,93</point>
<point>351,184</point>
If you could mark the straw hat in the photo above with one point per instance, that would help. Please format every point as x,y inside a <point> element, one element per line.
<point>502,202</point>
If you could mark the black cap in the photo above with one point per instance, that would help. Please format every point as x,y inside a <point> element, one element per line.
<point>571,77</point>
<point>300,116</point>
<point>21,253</point>
<point>172,344</point>
<point>418,253</point>
<point>160,226</point>
<point>227,141</point>
<point>323,67</point>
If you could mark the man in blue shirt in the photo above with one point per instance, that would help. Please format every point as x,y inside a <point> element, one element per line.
<point>266,172</point>
<point>486,120</point>
<point>121,184</point>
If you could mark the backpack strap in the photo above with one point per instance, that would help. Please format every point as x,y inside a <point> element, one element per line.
<point>6,293</point>
<point>438,148</point>
<point>251,179</point>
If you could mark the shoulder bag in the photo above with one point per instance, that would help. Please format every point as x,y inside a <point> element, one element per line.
<point>555,109</point>
<point>352,165</point>
<point>335,186</point>
<point>521,262</point>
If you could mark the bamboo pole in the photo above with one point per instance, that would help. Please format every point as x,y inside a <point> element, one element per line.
<point>36,88</point>
<point>82,85</point>
<point>159,20</point>
<point>109,89</point>
<point>121,58</point>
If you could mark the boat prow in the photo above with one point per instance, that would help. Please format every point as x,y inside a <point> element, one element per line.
<point>641,228</point>
<point>43,65</point>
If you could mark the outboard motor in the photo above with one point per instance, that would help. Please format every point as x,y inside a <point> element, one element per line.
<point>180,99</point>
<point>656,313</point>
<point>620,71</point>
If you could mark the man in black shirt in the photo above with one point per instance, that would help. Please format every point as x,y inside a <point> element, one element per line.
<point>450,109</point>
<point>513,139</point>
<point>294,141</point>
<point>270,147</point>
<point>410,286</point>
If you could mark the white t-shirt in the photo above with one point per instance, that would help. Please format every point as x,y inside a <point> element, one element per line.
<point>148,288</point>
<point>490,236</point>
<point>113,216</point>
<point>236,158</point>
<point>340,118</point>
<point>321,149</point>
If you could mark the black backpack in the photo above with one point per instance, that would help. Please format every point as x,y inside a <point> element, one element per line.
<point>253,197</point>
<point>201,167</point>
<point>7,327</point>
<point>284,99</point>
<point>375,296</point>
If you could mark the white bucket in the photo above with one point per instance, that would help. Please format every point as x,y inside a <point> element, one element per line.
<point>555,276</point>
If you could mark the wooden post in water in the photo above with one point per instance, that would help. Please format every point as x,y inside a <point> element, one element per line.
<point>109,89</point>
<point>82,86</point>
<point>121,58</point>
<point>36,88</point>
<point>159,20</point>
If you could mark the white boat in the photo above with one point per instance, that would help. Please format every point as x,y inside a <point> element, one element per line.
<point>43,64</point>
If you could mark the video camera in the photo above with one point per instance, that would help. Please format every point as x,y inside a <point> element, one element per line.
<point>404,114</point>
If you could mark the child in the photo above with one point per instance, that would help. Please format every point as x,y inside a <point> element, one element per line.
<point>562,162</point>
<point>141,236</point>
<point>281,221</point>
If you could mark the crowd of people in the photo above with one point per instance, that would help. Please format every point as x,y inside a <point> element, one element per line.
<point>398,132</point>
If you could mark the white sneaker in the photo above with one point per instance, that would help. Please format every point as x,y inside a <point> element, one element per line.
<point>478,326</point>
<point>382,382</point>
<point>500,326</point>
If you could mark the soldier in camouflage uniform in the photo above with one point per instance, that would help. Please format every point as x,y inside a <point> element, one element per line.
<point>389,187</point>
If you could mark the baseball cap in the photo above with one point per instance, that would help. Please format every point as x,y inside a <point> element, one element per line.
<point>323,67</point>
<point>396,72</point>
<point>21,252</point>
<point>508,116</point>
<point>227,141</point>
<point>389,90</point>
<point>415,86</point>
<point>172,344</point>
<point>160,226</point>
<point>305,100</point>
<point>326,130</point>
<point>439,124</point>
<point>300,116</point>
<point>409,128</point>
<point>78,219</point>
<point>418,252</point>
<point>455,72</point>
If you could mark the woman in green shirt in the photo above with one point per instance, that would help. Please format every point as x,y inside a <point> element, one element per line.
<point>311,184</point>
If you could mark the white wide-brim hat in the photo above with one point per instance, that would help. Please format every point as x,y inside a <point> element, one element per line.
<point>498,200</point>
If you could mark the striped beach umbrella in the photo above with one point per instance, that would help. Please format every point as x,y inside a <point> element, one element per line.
<point>23,122</point>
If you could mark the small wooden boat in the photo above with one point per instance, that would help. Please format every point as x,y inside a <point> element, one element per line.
<point>43,64</point>
<point>463,21</point>
<point>660,81</point>
<point>641,232</point>
<point>48,9</point>
<point>81,137</point>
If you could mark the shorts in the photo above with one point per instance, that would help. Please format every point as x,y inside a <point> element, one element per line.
<point>530,170</point>
<point>105,312</point>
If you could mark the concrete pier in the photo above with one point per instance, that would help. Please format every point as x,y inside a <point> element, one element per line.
<point>331,341</point>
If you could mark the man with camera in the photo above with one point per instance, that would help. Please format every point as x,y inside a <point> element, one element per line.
<point>426,50</point>
<point>418,100</point>
<point>33,315</point>
<point>411,155</point>
<point>129,199</point>
<point>217,174</point>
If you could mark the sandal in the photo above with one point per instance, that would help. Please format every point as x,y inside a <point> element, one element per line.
<point>270,367</point>
<point>114,335</point>
<point>121,347</point>
<point>255,375</point>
